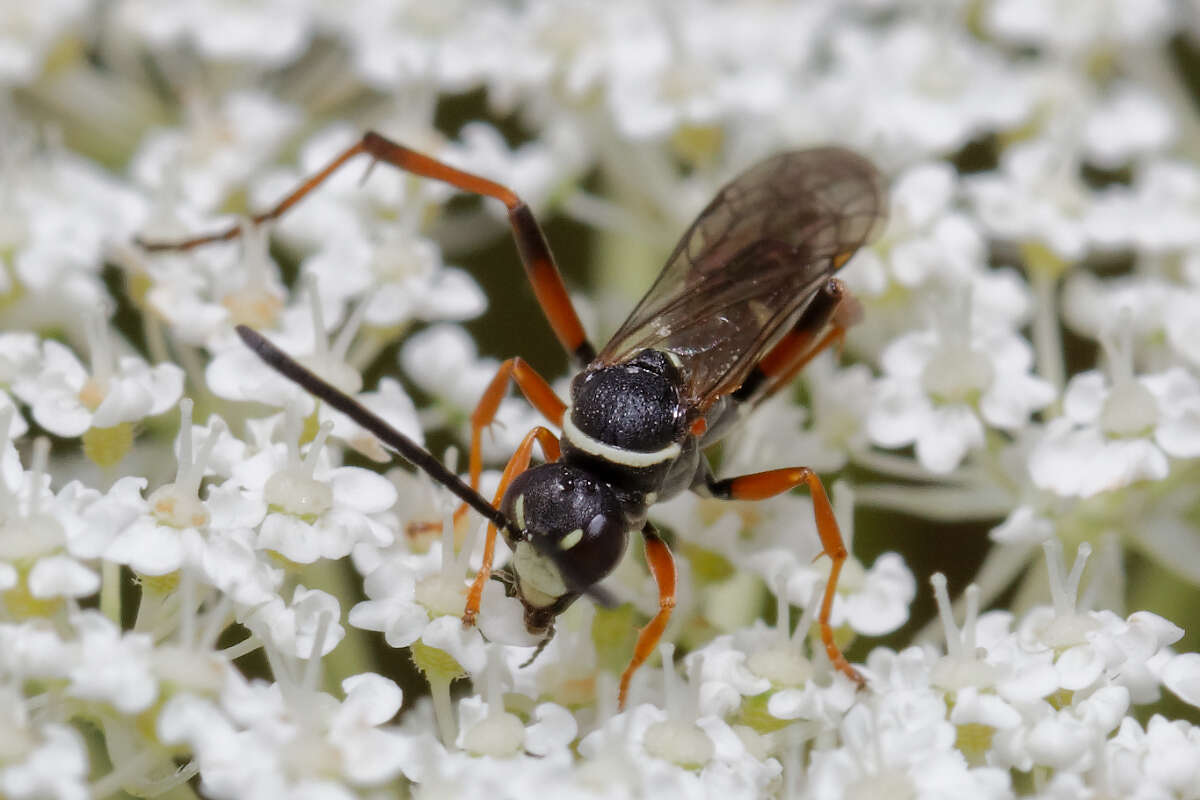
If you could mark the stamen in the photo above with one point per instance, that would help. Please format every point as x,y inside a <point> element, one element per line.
<point>320,335</point>
<point>946,614</point>
<point>677,739</point>
<point>312,665</point>
<point>309,464</point>
<point>671,698</point>
<point>500,733</point>
<point>1130,409</point>
<point>808,614</point>
<point>963,665</point>
<point>41,455</point>
<point>100,344</point>
<point>1069,627</point>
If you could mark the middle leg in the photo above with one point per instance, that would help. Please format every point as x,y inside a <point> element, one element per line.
<point>662,567</point>
<point>832,310</point>
<point>760,486</point>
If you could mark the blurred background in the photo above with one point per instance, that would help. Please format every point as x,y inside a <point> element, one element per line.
<point>617,121</point>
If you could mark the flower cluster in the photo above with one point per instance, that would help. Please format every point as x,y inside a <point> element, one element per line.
<point>201,564</point>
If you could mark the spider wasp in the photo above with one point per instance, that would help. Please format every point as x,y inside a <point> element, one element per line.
<point>746,299</point>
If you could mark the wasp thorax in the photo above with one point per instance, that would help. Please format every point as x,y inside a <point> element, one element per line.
<point>572,531</point>
<point>634,405</point>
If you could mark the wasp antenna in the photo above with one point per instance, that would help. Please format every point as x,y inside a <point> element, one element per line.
<point>412,452</point>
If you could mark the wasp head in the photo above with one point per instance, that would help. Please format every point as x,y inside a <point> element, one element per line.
<point>570,533</point>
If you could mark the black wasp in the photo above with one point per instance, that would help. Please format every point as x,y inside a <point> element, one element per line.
<point>745,301</point>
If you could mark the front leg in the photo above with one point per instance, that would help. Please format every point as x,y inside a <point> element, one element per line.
<point>536,390</point>
<point>662,567</point>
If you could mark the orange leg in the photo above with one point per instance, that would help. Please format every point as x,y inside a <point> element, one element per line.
<point>822,324</point>
<point>531,242</point>
<point>662,567</point>
<point>516,465</point>
<point>762,485</point>
<point>536,390</point>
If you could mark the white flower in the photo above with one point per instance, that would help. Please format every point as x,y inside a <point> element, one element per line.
<point>391,404</point>
<point>661,79</point>
<point>412,43</point>
<point>231,563</point>
<point>941,386</point>
<point>1148,307</point>
<point>567,671</point>
<point>1159,761</point>
<point>314,511</point>
<point>20,356</point>
<point>61,211</point>
<point>926,236</point>
<point>444,360</point>
<point>1036,197</point>
<point>165,526</point>
<point>309,624</point>
<point>29,35</point>
<point>67,399</point>
<point>535,170</point>
<point>1156,214</point>
<point>919,90</point>
<point>301,743</point>
<point>1130,122</point>
<point>113,667</point>
<point>38,531</point>
<point>218,148</point>
<point>634,751</point>
<point>57,768</point>
<point>1182,676</point>
<point>1117,428</point>
<point>267,35</point>
<point>414,596</point>
<point>1075,27</point>
<point>900,744</point>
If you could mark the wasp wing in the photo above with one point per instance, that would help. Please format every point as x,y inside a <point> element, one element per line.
<point>750,263</point>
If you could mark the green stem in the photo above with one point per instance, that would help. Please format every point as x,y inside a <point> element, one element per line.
<point>443,710</point>
<point>110,590</point>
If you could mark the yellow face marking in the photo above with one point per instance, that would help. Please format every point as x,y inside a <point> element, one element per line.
<point>571,539</point>
<point>541,582</point>
<point>519,511</point>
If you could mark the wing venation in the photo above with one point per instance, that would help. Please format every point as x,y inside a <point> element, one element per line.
<point>750,263</point>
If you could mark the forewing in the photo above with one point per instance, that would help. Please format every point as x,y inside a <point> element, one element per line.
<point>750,263</point>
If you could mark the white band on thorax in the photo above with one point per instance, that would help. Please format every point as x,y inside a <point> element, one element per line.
<point>611,453</point>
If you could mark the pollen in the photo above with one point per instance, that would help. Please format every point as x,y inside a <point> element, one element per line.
<point>92,394</point>
<point>256,306</point>
<point>105,447</point>
<point>177,508</point>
